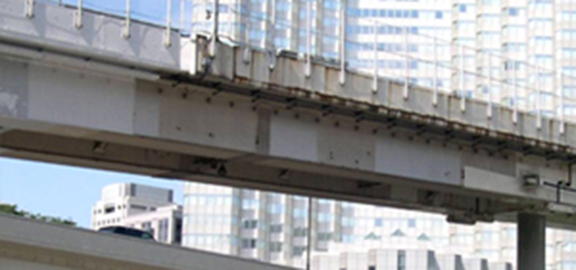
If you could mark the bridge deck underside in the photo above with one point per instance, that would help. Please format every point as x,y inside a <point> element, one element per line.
<point>175,112</point>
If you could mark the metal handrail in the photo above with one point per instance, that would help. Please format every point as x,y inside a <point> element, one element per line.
<point>457,70</point>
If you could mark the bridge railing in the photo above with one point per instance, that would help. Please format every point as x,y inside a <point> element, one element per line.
<point>366,46</point>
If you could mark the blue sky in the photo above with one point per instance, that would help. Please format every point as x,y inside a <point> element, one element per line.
<point>64,191</point>
<point>70,192</point>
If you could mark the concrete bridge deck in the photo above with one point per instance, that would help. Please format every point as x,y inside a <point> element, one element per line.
<point>216,112</point>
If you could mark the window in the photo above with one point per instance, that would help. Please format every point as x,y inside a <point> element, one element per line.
<point>138,207</point>
<point>401,260</point>
<point>109,209</point>
<point>378,222</point>
<point>324,236</point>
<point>248,243</point>
<point>299,213</point>
<point>276,228</point>
<point>300,232</point>
<point>514,47</point>
<point>275,247</point>
<point>411,223</point>
<point>324,217</point>
<point>462,8</point>
<point>513,12</point>
<point>298,251</point>
<point>490,2</point>
<point>163,230</point>
<point>250,224</point>
<point>347,221</point>
<point>489,19</point>
<point>347,238</point>
<point>275,208</point>
<point>439,15</point>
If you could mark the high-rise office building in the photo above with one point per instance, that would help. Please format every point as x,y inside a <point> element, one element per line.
<point>512,52</point>
<point>138,206</point>
<point>273,227</point>
<point>260,225</point>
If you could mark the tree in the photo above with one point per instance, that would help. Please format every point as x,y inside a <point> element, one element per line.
<point>12,209</point>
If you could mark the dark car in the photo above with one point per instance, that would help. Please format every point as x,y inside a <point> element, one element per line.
<point>130,232</point>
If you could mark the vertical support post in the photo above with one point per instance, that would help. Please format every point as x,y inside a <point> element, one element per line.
<point>435,60</point>
<point>489,107</point>
<point>126,33</point>
<point>531,242</point>
<point>342,42</point>
<point>246,53</point>
<point>78,18</point>
<point>462,74</point>
<point>59,2</point>
<point>375,51</point>
<point>167,38</point>
<point>272,24</point>
<point>406,63</point>
<point>308,68</point>
<point>561,83</point>
<point>29,8</point>
<point>515,93</point>
<point>214,41</point>
<point>309,238</point>
<point>538,101</point>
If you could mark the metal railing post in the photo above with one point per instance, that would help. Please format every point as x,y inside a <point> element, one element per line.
<point>561,82</point>
<point>29,10</point>
<point>375,50</point>
<point>126,33</point>
<point>78,21</point>
<point>435,58</point>
<point>489,107</point>
<point>406,63</point>
<point>308,69</point>
<point>214,39</point>
<point>462,74</point>
<point>246,51</point>
<point>271,25</point>
<point>167,37</point>
<point>538,96</point>
<point>515,92</point>
<point>343,42</point>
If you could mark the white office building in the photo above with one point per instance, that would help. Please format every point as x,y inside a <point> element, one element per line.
<point>273,227</point>
<point>512,52</point>
<point>142,207</point>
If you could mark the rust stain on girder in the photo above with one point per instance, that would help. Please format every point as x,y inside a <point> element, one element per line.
<point>503,140</point>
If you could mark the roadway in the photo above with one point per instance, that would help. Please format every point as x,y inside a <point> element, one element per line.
<point>34,245</point>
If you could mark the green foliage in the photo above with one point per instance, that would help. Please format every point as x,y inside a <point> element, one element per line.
<point>13,210</point>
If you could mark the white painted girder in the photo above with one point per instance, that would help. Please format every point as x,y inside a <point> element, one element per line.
<point>247,115</point>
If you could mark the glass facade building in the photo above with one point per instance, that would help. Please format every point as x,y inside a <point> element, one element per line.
<point>273,227</point>
<point>510,52</point>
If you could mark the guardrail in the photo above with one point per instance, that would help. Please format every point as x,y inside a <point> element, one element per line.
<point>417,60</point>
